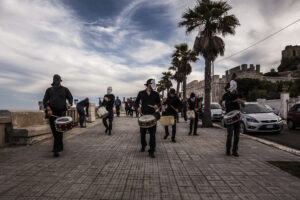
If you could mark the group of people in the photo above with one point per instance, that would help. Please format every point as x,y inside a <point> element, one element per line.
<point>147,102</point>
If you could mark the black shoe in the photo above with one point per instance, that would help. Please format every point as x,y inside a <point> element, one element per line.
<point>56,154</point>
<point>235,154</point>
<point>151,154</point>
<point>109,133</point>
<point>227,153</point>
<point>142,149</point>
<point>173,140</point>
<point>195,134</point>
<point>190,133</point>
<point>106,129</point>
<point>166,136</point>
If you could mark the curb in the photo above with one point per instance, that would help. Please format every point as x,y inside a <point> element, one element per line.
<point>269,143</point>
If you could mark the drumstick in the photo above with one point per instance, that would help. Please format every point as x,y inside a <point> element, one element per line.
<point>174,108</point>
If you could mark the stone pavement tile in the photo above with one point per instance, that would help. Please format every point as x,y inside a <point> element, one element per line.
<point>210,196</point>
<point>229,197</point>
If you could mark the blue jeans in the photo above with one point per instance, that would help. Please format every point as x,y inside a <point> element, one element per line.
<point>80,110</point>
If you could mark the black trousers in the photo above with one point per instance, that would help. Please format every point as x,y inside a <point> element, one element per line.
<point>152,141</point>
<point>184,114</point>
<point>58,136</point>
<point>173,130</point>
<point>80,110</point>
<point>194,124</point>
<point>118,110</point>
<point>233,129</point>
<point>110,118</point>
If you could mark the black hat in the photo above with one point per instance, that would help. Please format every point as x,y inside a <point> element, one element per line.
<point>192,95</point>
<point>148,81</point>
<point>56,77</point>
<point>172,91</point>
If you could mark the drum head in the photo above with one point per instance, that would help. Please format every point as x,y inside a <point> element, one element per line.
<point>63,120</point>
<point>146,118</point>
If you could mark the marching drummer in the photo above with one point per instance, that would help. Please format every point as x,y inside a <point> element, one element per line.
<point>108,102</point>
<point>55,103</point>
<point>173,104</point>
<point>232,100</point>
<point>150,102</point>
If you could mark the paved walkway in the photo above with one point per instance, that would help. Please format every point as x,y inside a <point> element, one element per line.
<point>97,166</point>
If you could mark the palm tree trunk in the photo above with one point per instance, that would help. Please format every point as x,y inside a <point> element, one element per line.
<point>184,87</point>
<point>178,86</point>
<point>207,112</point>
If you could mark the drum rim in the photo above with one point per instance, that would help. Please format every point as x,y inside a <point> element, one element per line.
<point>61,123</point>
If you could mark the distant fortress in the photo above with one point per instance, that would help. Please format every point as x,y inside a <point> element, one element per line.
<point>245,71</point>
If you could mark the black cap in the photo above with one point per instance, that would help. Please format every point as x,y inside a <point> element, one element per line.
<point>148,81</point>
<point>56,77</point>
<point>172,91</point>
<point>192,95</point>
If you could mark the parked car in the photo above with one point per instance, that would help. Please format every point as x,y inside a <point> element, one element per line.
<point>276,112</point>
<point>293,118</point>
<point>217,113</point>
<point>255,117</point>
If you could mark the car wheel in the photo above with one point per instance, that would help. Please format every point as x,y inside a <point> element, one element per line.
<point>291,125</point>
<point>243,128</point>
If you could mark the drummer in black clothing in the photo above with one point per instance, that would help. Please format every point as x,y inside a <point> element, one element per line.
<point>108,102</point>
<point>80,109</point>
<point>195,105</point>
<point>173,104</point>
<point>150,103</point>
<point>55,103</point>
<point>232,100</point>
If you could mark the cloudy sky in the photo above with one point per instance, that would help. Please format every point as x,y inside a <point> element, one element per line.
<point>96,43</point>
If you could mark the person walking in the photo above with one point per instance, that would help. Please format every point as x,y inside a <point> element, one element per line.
<point>55,102</point>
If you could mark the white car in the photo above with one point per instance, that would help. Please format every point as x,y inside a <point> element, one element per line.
<point>256,117</point>
<point>216,111</point>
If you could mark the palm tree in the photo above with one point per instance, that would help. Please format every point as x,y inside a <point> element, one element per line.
<point>161,87</point>
<point>167,80</point>
<point>181,58</point>
<point>178,76</point>
<point>212,20</point>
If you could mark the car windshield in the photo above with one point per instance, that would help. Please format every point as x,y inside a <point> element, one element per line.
<point>269,107</point>
<point>215,106</point>
<point>254,108</point>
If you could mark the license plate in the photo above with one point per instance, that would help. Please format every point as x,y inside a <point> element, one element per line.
<point>269,126</point>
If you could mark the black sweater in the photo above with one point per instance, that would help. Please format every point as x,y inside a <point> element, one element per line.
<point>56,97</point>
<point>110,103</point>
<point>152,99</point>
<point>172,102</point>
<point>85,103</point>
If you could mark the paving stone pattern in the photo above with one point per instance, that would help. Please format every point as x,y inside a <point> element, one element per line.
<point>97,166</point>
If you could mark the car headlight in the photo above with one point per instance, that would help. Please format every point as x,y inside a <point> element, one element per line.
<point>251,119</point>
<point>279,119</point>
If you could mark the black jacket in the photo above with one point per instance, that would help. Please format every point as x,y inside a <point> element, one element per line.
<point>229,104</point>
<point>109,105</point>
<point>194,105</point>
<point>85,103</point>
<point>172,102</point>
<point>56,97</point>
<point>152,99</point>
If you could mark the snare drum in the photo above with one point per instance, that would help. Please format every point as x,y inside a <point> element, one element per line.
<point>102,112</point>
<point>232,117</point>
<point>63,124</point>
<point>167,120</point>
<point>147,121</point>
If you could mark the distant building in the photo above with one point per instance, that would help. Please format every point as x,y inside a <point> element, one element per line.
<point>291,52</point>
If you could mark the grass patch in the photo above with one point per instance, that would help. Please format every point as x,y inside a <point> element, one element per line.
<point>292,167</point>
